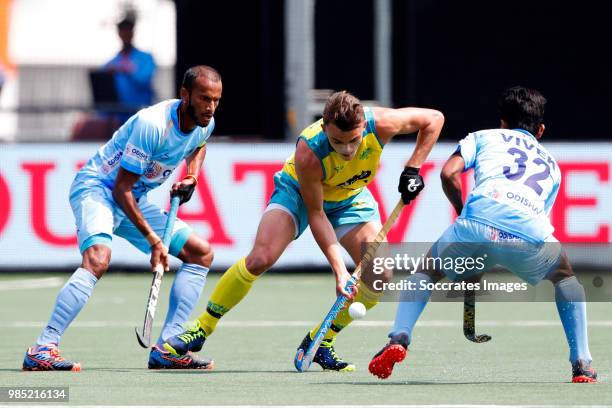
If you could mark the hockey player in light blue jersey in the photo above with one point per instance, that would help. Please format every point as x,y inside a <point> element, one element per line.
<point>109,196</point>
<point>516,183</point>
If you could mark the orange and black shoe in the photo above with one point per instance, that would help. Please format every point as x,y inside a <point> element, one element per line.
<point>583,372</point>
<point>47,358</point>
<point>162,359</point>
<point>382,363</point>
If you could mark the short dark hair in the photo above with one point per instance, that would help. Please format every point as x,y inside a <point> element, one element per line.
<point>343,110</point>
<point>126,24</point>
<point>128,20</point>
<point>199,70</point>
<point>522,108</point>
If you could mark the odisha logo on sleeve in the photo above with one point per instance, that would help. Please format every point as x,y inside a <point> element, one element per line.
<point>363,176</point>
<point>115,158</point>
<point>138,153</point>
<point>133,151</point>
<point>112,162</point>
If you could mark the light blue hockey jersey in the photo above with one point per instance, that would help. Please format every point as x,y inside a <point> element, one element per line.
<point>150,143</point>
<point>516,182</point>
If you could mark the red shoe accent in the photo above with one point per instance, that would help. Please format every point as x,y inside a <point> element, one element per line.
<point>583,379</point>
<point>182,362</point>
<point>382,365</point>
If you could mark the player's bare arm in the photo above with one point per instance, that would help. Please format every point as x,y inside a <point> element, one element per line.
<point>186,187</point>
<point>122,193</point>
<point>310,174</point>
<point>195,160</point>
<point>451,181</point>
<point>428,123</point>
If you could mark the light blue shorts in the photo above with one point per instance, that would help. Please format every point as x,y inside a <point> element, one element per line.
<point>343,215</point>
<point>530,261</point>
<point>98,216</point>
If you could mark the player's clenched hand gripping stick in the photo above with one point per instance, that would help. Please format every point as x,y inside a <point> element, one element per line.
<point>144,337</point>
<point>303,359</point>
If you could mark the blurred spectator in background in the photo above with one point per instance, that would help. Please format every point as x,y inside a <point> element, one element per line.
<point>133,70</point>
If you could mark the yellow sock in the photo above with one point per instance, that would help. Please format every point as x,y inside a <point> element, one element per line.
<point>230,290</point>
<point>367,296</point>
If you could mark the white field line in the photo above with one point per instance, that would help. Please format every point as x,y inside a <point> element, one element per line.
<point>304,323</point>
<point>21,284</point>
<point>326,406</point>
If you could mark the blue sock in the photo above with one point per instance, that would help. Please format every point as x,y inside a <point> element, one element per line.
<point>412,303</point>
<point>70,300</point>
<point>184,295</point>
<point>571,304</point>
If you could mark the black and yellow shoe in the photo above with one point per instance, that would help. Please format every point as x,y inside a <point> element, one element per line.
<point>326,356</point>
<point>191,339</point>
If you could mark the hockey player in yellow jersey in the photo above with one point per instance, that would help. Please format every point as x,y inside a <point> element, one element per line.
<point>323,184</point>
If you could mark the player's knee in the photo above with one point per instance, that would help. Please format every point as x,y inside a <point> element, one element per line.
<point>196,251</point>
<point>207,259</point>
<point>435,275</point>
<point>372,278</point>
<point>199,253</point>
<point>96,260</point>
<point>562,271</point>
<point>202,259</point>
<point>387,275</point>
<point>259,261</point>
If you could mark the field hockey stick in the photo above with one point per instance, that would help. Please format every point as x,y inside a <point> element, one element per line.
<point>144,337</point>
<point>303,359</point>
<point>469,318</point>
